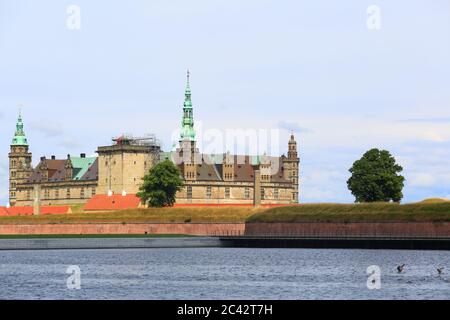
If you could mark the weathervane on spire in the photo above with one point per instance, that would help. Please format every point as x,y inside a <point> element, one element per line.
<point>188,80</point>
<point>20,106</point>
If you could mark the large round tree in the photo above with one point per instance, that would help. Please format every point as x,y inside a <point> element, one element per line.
<point>376,177</point>
<point>161,185</point>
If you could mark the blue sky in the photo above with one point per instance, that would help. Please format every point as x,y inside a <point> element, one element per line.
<point>310,66</point>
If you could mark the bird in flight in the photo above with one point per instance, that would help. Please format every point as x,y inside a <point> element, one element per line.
<point>400,268</point>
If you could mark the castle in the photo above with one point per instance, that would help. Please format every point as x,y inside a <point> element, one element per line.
<point>120,167</point>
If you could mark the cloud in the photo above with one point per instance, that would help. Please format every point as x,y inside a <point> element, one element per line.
<point>421,180</point>
<point>48,130</point>
<point>434,136</point>
<point>293,126</point>
<point>4,176</point>
<point>426,120</point>
<point>70,143</point>
<point>4,170</point>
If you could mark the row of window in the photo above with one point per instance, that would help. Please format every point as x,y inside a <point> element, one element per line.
<point>56,194</point>
<point>114,180</point>
<point>190,175</point>
<point>114,163</point>
<point>276,193</point>
<point>20,175</point>
<point>228,176</point>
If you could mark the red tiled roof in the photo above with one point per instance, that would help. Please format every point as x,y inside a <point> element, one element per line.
<point>3,211</point>
<point>45,210</point>
<point>20,211</point>
<point>102,202</point>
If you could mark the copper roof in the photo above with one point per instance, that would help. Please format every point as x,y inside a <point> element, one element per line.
<point>211,168</point>
<point>57,171</point>
<point>92,172</point>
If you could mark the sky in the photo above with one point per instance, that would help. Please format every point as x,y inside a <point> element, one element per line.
<point>322,69</point>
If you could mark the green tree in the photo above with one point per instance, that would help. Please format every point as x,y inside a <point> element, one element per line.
<point>161,185</point>
<point>376,177</point>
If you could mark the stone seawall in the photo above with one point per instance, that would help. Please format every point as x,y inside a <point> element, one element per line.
<point>108,243</point>
<point>198,229</point>
<point>353,229</point>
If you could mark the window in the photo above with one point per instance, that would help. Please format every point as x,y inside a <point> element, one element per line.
<point>93,191</point>
<point>275,194</point>
<point>189,192</point>
<point>68,193</point>
<point>28,194</point>
<point>247,193</point>
<point>46,194</point>
<point>82,193</point>
<point>13,163</point>
<point>56,194</point>
<point>293,196</point>
<point>227,192</point>
<point>263,193</point>
<point>208,192</point>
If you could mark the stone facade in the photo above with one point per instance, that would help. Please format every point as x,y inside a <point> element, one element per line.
<point>123,165</point>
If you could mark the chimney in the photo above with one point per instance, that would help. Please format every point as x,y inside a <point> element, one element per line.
<point>68,157</point>
<point>82,155</point>
<point>53,158</point>
<point>43,158</point>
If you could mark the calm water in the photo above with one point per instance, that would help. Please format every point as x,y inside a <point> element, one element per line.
<point>223,273</point>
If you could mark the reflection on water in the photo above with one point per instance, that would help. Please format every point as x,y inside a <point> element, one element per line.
<point>223,273</point>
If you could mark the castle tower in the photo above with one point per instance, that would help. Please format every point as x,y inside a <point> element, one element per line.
<point>20,167</point>
<point>122,166</point>
<point>188,153</point>
<point>292,148</point>
<point>291,166</point>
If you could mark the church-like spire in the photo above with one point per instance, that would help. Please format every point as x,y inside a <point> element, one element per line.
<point>19,137</point>
<point>187,125</point>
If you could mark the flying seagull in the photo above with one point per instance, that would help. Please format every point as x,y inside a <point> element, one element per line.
<point>400,268</point>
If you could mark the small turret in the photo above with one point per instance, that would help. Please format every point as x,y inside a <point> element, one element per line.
<point>69,169</point>
<point>292,148</point>
<point>19,137</point>
<point>291,167</point>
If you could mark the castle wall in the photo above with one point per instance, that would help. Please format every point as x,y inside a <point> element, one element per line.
<point>123,170</point>
<point>198,229</point>
<point>237,193</point>
<point>57,193</point>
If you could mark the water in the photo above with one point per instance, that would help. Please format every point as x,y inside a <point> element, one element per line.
<point>223,273</point>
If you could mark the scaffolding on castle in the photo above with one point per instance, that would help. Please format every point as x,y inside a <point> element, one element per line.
<point>129,140</point>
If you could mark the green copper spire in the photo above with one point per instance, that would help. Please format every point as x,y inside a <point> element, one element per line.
<point>19,137</point>
<point>187,124</point>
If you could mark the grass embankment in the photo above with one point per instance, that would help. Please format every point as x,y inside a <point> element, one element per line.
<point>77,208</point>
<point>162,215</point>
<point>434,210</point>
<point>373,212</point>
